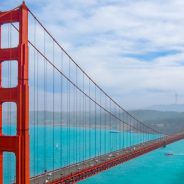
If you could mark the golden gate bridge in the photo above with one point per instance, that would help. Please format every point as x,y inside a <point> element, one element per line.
<point>58,123</point>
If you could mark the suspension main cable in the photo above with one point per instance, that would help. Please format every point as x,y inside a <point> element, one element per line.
<point>156,131</point>
<point>67,78</point>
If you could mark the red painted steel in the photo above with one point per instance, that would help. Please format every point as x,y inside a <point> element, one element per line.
<point>18,144</point>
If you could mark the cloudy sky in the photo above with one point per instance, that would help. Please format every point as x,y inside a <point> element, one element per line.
<point>134,49</point>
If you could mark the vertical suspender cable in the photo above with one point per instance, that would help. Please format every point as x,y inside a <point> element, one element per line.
<point>110,126</point>
<point>37,115</point>
<point>34,101</point>
<point>83,120</point>
<point>61,112</point>
<point>77,114</point>
<point>44,99</point>
<point>95,126</point>
<point>69,115</point>
<point>100,151</point>
<point>90,122</point>
<point>53,109</point>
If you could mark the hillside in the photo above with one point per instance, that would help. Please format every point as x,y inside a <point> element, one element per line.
<point>167,122</point>
<point>169,107</point>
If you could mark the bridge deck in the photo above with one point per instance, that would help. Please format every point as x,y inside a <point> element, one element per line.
<point>82,170</point>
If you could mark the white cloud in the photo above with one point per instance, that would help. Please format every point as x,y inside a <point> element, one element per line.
<point>102,35</point>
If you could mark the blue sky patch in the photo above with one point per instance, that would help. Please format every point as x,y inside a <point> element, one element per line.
<point>149,56</point>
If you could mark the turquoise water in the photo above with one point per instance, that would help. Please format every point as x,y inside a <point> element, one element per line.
<point>70,145</point>
<point>152,168</point>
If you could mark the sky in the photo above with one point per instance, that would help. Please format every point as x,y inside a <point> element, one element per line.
<point>134,49</point>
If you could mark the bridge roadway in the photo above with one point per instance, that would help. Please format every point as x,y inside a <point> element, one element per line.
<point>82,170</point>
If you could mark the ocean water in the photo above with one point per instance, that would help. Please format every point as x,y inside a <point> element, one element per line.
<point>70,145</point>
<point>152,168</point>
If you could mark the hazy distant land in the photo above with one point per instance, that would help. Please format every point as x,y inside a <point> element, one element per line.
<point>166,121</point>
<point>169,107</point>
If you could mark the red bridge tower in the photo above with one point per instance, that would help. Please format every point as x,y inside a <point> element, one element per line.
<point>18,144</point>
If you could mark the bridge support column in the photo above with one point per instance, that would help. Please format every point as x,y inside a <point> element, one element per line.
<point>1,153</point>
<point>18,144</point>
